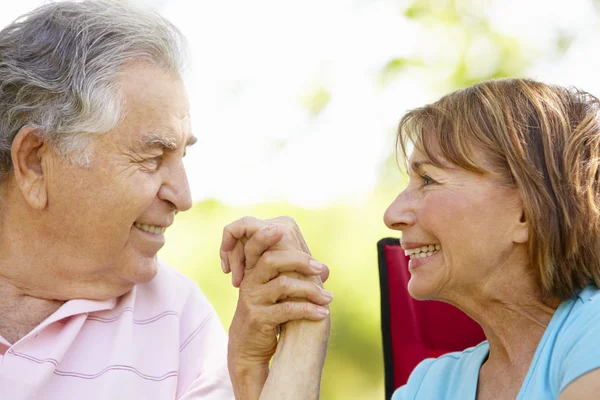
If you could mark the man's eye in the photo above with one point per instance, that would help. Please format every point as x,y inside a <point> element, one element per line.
<point>152,163</point>
<point>427,180</point>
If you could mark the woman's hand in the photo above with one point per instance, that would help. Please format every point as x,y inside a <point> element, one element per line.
<point>279,282</point>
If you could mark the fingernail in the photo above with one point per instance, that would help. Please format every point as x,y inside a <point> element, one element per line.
<point>322,311</point>
<point>317,266</point>
<point>327,294</point>
<point>270,232</point>
<point>223,267</point>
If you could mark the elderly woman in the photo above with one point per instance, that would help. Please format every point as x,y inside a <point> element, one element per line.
<point>505,186</point>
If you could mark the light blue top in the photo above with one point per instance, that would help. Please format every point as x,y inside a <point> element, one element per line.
<point>569,348</point>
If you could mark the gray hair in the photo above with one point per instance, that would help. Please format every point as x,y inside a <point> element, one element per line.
<point>59,66</point>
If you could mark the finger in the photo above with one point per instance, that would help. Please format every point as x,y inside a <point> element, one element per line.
<point>236,263</point>
<point>285,287</point>
<point>243,227</point>
<point>225,255</point>
<point>274,262</point>
<point>260,242</point>
<point>325,273</point>
<point>281,313</point>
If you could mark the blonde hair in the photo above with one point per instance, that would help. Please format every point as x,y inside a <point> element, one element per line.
<point>543,139</point>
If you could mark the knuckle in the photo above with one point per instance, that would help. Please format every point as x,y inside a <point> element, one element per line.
<point>288,223</point>
<point>268,259</point>
<point>262,235</point>
<point>305,308</point>
<point>288,307</point>
<point>288,220</point>
<point>254,319</point>
<point>249,220</point>
<point>302,258</point>
<point>285,282</point>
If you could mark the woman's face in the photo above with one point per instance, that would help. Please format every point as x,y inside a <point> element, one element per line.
<point>460,228</point>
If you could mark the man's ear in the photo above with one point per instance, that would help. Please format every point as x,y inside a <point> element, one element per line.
<point>27,153</point>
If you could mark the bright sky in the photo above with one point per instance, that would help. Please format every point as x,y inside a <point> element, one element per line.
<point>253,63</point>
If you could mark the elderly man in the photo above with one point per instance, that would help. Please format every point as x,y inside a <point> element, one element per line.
<point>94,124</point>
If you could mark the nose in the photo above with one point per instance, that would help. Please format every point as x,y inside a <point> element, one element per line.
<point>176,188</point>
<point>400,215</point>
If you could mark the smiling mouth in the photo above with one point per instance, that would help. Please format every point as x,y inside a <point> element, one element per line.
<point>154,229</point>
<point>423,251</point>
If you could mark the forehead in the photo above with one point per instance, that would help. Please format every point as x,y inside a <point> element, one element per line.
<point>464,154</point>
<point>431,155</point>
<point>155,106</point>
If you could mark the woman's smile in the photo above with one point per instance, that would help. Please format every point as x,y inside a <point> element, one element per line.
<point>420,254</point>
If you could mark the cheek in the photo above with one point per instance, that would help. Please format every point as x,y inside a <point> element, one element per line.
<point>445,215</point>
<point>111,206</point>
<point>458,226</point>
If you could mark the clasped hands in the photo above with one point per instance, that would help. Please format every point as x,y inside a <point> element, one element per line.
<point>278,282</point>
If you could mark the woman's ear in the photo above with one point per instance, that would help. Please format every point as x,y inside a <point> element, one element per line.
<point>28,152</point>
<point>522,229</point>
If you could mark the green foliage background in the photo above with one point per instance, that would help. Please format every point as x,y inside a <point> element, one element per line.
<point>344,235</point>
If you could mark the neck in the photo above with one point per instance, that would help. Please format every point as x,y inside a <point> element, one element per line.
<point>40,262</point>
<point>514,316</point>
<point>20,313</point>
<point>514,329</point>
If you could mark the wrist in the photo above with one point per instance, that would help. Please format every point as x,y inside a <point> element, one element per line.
<point>303,339</point>
<point>247,378</point>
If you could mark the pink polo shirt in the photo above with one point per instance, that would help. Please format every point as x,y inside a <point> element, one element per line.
<point>162,340</point>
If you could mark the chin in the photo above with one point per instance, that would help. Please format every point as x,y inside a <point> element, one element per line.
<point>421,290</point>
<point>143,270</point>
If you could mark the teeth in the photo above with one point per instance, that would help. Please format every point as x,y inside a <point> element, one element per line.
<point>150,228</point>
<point>423,251</point>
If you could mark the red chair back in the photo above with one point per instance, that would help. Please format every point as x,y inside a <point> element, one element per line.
<point>415,330</point>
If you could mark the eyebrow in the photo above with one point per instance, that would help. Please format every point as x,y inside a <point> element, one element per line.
<point>417,166</point>
<point>156,140</point>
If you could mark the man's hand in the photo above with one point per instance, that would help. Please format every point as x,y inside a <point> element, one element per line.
<point>237,256</point>
<point>270,263</point>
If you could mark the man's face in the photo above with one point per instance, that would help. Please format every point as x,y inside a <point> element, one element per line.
<point>108,218</point>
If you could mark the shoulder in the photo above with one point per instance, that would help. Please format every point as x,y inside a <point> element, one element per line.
<point>578,316</point>
<point>588,300</point>
<point>575,350</point>
<point>450,373</point>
